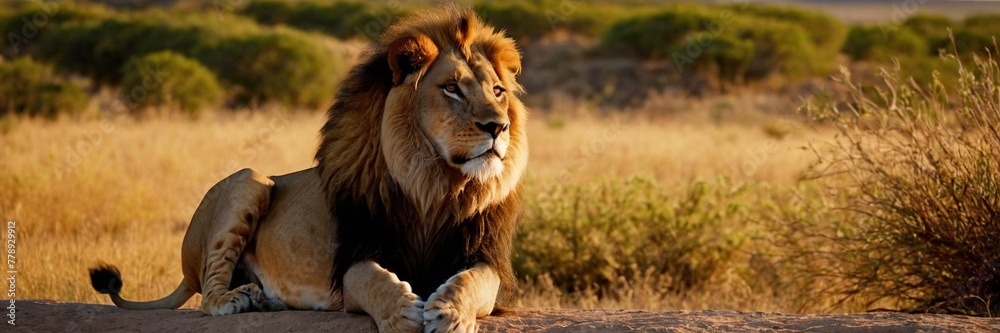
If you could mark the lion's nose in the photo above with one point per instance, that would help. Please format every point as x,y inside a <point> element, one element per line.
<point>492,128</point>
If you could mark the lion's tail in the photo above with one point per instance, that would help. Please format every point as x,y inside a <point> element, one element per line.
<point>107,280</point>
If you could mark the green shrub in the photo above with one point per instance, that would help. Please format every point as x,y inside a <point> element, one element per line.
<point>933,28</point>
<point>779,48</point>
<point>918,177</point>
<point>27,25</point>
<point>341,19</point>
<point>285,66</point>
<point>909,48</point>
<point>92,48</point>
<point>99,48</point>
<point>30,88</point>
<point>520,20</point>
<point>874,43</point>
<point>735,48</point>
<point>532,20</point>
<point>590,236</point>
<point>338,19</point>
<point>259,65</point>
<point>591,20</point>
<point>975,39</point>
<point>656,36</point>
<point>271,12</point>
<point>827,33</point>
<point>983,22</point>
<point>727,57</point>
<point>170,80</point>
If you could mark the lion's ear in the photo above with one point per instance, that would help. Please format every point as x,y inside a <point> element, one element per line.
<point>506,59</point>
<point>408,55</point>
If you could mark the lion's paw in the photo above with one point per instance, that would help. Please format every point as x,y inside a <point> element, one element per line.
<point>409,315</point>
<point>441,314</point>
<point>241,299</point>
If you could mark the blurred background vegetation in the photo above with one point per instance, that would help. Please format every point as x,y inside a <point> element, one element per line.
<point>293,53</point>
<point>889,199</point>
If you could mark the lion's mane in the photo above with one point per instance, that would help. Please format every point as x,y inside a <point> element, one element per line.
<point>437,221</point>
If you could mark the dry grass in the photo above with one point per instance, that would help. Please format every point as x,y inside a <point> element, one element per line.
<point>672,139</point>
<point>128,196</point>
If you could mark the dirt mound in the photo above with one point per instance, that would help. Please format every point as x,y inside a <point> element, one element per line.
<point>47,316</point>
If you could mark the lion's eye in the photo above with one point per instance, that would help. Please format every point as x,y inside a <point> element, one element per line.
<point>452,90</point>
<point>498,91</point>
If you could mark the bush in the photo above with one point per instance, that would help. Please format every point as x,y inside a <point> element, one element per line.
<point>260,65</point>
<point>340,19</point>
<point>520,20</point>
<point>21,38</point>
<point>824,31</point>
<point>912,50</point>
<point>933,28</point>
<point>735,48</point>
<point>591,20</point>
<point>533,20</point>
<point>29,88</point>
<point>919,181</point>
<point>982,22</point>
<point>975,38</point>
<point>285,67</point>
<point>170,80</point>
<point>872,43</point>
<point>727,57</point>
<point>656,36</point>
<point>98,48</point>
<point>93,48</point>
<point>779,48</point>
<point>271,12</point>
<point>582,237</point>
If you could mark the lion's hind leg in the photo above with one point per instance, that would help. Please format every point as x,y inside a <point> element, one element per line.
<point>220,230</point>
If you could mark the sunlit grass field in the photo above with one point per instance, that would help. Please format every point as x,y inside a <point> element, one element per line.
<point>122,190</point>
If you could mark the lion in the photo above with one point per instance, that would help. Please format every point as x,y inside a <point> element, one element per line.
<point>411,211</point>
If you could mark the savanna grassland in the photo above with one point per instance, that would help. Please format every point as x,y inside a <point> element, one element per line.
<point>81,197</point>
<point>777,159</point>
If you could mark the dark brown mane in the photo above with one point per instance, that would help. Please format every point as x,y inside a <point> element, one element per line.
<point>370,207</point>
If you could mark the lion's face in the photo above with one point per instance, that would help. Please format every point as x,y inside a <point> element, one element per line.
<point>450,123</point>
<point>457,102</point>
<point>462,111</point>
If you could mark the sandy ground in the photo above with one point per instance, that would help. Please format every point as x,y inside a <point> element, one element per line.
<point>47,316</point>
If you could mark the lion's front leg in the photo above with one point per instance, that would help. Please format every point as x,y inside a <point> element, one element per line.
<point>468,295</point>
<point>371,289</point>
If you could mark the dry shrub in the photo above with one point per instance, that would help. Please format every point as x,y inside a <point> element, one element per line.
<point>916,175</point>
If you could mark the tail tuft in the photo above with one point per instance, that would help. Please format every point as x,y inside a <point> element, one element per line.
<point>106,279</point>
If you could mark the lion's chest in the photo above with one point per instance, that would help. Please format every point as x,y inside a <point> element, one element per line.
<point>431,255</point>
<point>422,251</point>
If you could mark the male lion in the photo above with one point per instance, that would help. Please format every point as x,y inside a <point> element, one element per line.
<point>416,195</point>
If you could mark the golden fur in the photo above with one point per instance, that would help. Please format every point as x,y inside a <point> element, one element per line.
<point>416,195</point>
